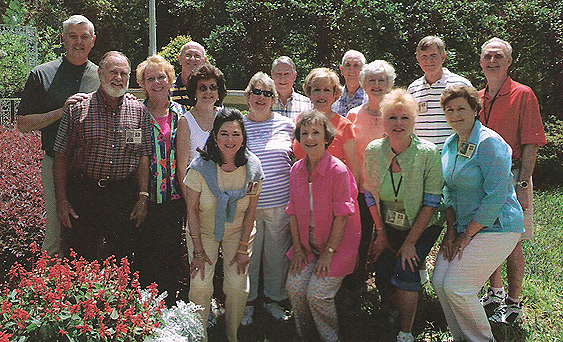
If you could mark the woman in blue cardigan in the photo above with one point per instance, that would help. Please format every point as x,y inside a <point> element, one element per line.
<point>484,219</point>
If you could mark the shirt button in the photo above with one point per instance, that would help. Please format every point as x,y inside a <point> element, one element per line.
<point>112,145</point>
<point>111,161</point>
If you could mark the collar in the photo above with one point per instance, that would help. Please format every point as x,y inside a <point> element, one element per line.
<point>359,93</point>
<point>103,99</point>
<point>504,90</point>
<point>441,80</point>
<point>322,166</point>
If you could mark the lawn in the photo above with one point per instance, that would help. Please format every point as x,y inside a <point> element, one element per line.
<point>22,216</point>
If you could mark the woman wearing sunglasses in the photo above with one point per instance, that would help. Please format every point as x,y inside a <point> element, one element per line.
<point>207,86</point>
<point>323,88</point>
<point>269,136</point>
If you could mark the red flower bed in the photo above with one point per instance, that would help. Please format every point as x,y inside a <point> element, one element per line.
<point>22,213</point>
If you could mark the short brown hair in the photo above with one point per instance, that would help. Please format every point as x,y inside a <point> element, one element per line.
<point>470,94</point>
<point>206,72</point>
<point>311,117</point>
<point>428,41</point>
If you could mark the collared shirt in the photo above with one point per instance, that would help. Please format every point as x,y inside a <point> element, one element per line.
<point>334,194</point>
<point>480,187</point>
<point>163,187</point>
<point>514,113</point>
<point>431,121</point>
<point>179,93</point>
<point>270,141</point>
<point>344,132</point>
<point>92,136</point>
<point>345,102</point>
<point>420,167</point>
<point>48,87</point>
<point>295,105</point>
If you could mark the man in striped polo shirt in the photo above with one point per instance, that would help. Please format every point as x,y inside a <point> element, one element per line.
<point>431,122</point>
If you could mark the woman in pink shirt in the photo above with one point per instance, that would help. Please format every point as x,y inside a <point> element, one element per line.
<point>325,228</point>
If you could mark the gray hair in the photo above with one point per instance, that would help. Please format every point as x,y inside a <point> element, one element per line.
<point>507,46</point>
<point>266,80</point>
<point>378,67</point>
<point>428,41</point>
<point>351,53</point>
<point>78,19</point>
<point>284,60</point>
<point>109,54</point>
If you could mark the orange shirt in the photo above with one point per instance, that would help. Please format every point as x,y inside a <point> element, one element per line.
<point>344,132</point>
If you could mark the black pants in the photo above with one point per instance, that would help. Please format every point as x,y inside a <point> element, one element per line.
<point>159,251</point>
<point>103,227</point>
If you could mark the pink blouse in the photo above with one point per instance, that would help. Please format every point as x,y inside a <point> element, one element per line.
<point>334,194</point>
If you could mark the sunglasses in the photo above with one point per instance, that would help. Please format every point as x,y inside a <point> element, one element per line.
<point>203,87</point>
<point>266,93</point>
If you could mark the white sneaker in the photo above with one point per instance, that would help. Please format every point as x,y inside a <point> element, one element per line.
<point>276,311</point>
<point>247,317</point>
<point>405,337</point>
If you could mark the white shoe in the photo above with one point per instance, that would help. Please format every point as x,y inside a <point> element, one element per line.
<point>247,317</point>
<point>405,337</point>
<point>276,311</point>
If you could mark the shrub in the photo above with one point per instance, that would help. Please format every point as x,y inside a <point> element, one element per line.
<point>549,163</point>
<point>171,51</point>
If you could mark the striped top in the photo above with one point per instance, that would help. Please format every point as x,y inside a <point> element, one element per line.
<point>431,122</point>
<point>271,142</point>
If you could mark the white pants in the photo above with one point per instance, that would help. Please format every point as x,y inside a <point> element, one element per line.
<point>271,243</point>
<point>457,283</point>
<point>52,242</point>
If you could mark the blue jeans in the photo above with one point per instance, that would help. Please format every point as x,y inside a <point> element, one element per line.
<point>389,273</point>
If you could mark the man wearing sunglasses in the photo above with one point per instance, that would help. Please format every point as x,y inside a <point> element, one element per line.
<point>191,56</point>
<point>289,103</point>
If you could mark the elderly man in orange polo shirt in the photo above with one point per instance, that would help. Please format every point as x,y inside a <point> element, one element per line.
<point>512,110</point>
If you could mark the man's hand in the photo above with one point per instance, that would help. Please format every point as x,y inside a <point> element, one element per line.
<point>78,97</point>
<point>64,209</point>
<point>139,212</point>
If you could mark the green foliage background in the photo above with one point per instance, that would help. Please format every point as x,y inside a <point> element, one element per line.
<point>244,36</point>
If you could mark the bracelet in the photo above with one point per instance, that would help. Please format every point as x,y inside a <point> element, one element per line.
<point>243,252</point>
<point>199,256</point>
<point>144,193</point>
<point>243,243</point>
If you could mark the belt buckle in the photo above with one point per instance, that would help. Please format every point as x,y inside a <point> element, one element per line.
<point>102,182</point>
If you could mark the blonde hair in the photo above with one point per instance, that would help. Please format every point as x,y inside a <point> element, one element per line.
<point>399,98</point>
<point>155,60</point>
<point>322,76</point>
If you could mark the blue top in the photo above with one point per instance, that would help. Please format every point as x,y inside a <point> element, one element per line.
<point>480,188</point>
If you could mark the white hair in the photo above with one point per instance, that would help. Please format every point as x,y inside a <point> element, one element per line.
<point>507,46</point>
<point>379,67</point>
<point>352,53</point>
<point>284,60</point>
<point>78,19</point>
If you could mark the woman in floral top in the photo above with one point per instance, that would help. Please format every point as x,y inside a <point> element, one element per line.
<point>159,250</point>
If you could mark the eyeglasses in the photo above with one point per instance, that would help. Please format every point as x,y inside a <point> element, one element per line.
<point>159,78</point>
<point>266,93</point>
<point>196,57</point>
<point>203,87</point>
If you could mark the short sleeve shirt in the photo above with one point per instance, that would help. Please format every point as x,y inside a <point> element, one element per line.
<point>343,105</point>
<point>294,106</point>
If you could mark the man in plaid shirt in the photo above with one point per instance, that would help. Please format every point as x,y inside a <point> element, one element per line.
<point>101,166</point>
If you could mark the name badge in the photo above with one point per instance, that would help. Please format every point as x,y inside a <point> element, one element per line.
<point>252,188</point>
<point>422,107</point>
<point>133,136</point>
<point>395,217</point>
<point>466,150</point>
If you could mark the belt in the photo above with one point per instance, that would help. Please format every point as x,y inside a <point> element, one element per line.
<point>103,182</point>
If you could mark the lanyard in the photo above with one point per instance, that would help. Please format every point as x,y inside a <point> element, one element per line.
<point>488,115</point>
<point>395,190</point>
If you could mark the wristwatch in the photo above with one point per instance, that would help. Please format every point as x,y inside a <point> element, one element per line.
<point>523,184</point>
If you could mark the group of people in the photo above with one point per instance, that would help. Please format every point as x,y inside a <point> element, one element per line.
<point>306,192</point>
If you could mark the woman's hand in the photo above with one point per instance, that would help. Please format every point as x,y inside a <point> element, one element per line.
<point>298,261</point>
<point>459,244</point>
<point>379,245</point>
<point>241,260</point>
<point>447,245</point>
<point>198,264</point>
<point>322,267</point>
<point>408,256</point>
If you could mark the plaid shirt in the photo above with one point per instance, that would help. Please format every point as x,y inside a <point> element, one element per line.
<point>295,105</point>
<point>343,105</point>
<point>92,137</point>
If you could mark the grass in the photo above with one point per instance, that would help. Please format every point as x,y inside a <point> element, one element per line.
<point>542,293</point>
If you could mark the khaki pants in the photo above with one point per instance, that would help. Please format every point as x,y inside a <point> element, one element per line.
<point>236,286</point>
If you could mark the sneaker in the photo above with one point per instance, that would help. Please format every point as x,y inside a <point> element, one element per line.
<point>492,299</point>
<point>510,312</point>
<point>247,317</point>
<point>276,311</point>
<point>405,337</point>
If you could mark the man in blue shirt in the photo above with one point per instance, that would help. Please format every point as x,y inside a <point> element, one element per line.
<point>353,95</point>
